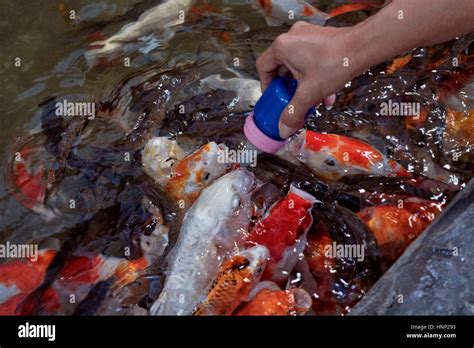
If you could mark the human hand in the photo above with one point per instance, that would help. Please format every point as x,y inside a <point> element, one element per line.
<point>315,56</point>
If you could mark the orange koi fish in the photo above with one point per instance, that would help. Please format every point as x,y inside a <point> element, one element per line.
<point>283,231</point>
<point>399,63</point>
<point>320,264</point>
<point>332,156</point>
<point>395,226</point>
<point>236,278</point>
<point>277,302</point>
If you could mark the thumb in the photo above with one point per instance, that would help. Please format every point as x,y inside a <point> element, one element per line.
<point>292,118</point>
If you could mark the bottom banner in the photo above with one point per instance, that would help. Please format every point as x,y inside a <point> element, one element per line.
<point>161,331</point>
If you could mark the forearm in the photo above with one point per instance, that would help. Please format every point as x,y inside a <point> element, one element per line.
<point>406,24</point>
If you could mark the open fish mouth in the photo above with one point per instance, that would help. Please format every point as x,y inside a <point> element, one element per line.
<point>139,209</point>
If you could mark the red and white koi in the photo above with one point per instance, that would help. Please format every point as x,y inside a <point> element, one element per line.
<point>283,231</point>
<point>333,156</point>
<point>18,278</point>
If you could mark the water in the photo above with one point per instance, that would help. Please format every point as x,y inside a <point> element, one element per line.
<point>51,50</point>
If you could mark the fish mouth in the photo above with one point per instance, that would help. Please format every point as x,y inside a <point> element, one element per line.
<point>296,145</point>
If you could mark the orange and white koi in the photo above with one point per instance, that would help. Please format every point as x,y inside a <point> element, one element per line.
<point>283,231</point>
<point>277,302</point>
<point>195,172</point>
<point>332,156</point>
<point>278,12</point>
<point>234,282</point>
<point>395,226</point>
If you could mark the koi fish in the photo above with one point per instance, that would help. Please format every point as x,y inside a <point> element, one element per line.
<point>162,17</point>
<point>399,63</point>
<point>236,278</point>
<point>332,156</point>
<point>278,12</point>
<point>31,185</point>
<point>320,264</point>
<point>283,231</point>
<point>277,302</point>
<point>248,90</point>
<point>195,172</point>
<point>395,226</point>
<point>211,229</point>
<point>30,178</point>
<point>460,126</point>
<point>158,157</point>
<point>18,278</point>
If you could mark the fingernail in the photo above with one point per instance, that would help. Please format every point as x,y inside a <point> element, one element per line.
<point>285,131</point>
<point>328,107</point>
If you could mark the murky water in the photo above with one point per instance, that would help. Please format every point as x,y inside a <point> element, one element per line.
<point>42,54</point>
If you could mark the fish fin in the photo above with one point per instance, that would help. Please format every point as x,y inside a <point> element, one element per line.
<point>158,306</point>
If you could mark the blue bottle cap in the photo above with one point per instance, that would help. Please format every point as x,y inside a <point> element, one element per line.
<point>267,111</point>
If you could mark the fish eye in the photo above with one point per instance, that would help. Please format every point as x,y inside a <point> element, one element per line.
<point>330,162</point>
<point>243,265</point>
<point>206,176</point>
<point>236,202</point>
<point>247,40</point>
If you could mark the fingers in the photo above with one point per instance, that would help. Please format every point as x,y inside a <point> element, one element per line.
<point>329,101</point>
<point>294,114</point>
<point>266,67</point>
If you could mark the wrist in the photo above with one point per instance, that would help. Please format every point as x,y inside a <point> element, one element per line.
<point>359,43</point>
